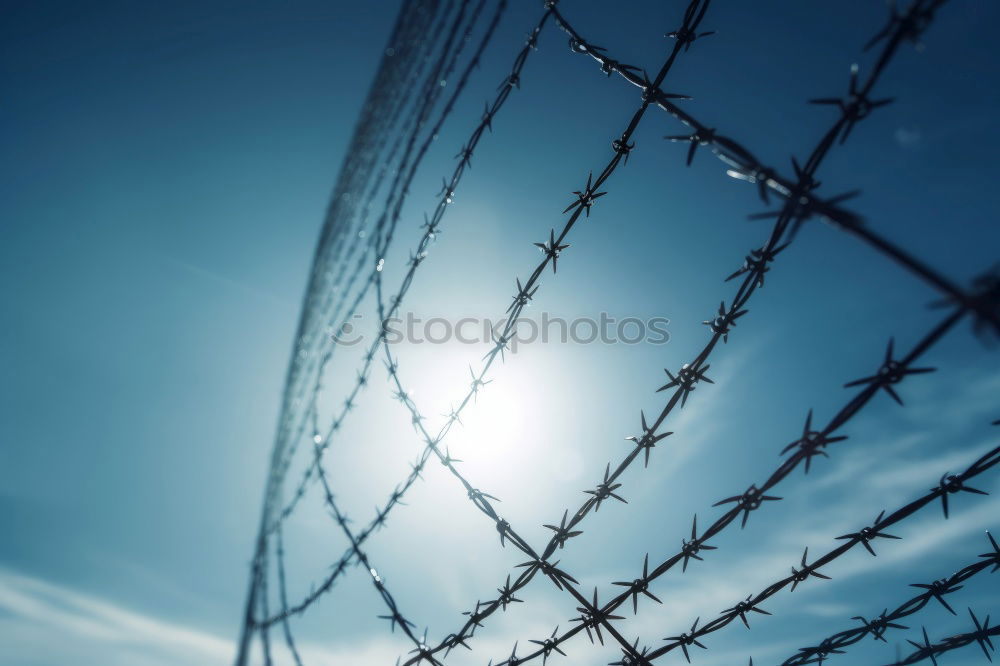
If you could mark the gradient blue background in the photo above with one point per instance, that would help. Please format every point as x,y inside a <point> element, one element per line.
<point>164,171</point>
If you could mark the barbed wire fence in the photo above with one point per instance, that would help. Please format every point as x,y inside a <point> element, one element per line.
<point>427,46</point>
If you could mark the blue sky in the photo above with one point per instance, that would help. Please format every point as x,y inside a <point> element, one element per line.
<point>164,174</point>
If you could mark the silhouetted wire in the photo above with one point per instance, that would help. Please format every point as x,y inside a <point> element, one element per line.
<point>936,590</point>
<point>446,111</point>
<point>429,234</point>
<point>395,616</point>
<point>340,305</point>
<point>726,319</point>
<point>810,444</point>
<point>927,650</point>
<point>411,21</point>
<point>758,263</point>
<point>801,203</point>
<point>446,62</point>
<point>585,199</point>
<point>431,230</point>
<point>384,102</point>
<point>352,225</point>
<point>864,536</point>
<point>395,200</point>
<point>283,597</point>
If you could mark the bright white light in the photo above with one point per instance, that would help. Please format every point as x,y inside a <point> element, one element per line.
<point>509,433</point>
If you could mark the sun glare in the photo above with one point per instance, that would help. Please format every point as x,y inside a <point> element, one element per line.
<point>508,433</point>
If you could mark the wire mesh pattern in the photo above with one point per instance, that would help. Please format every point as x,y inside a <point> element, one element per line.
<point>428,44</point>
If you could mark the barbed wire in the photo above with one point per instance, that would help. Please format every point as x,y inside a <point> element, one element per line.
<point>950,484</point>
<point>447,61</point>
<point>981,301</point>
<point>397,192</point>
<point>936,590</point>
<point>431,229</point>
<point>410,23</point>
<point>395,199</point>
<point>313,341</point>
<point>318,466</point>
<point>283,597</point>
<point>585,200</point>
<point>685,382</point>
<point>928,650</point>
<point>800,202</point>
<point>395,615</point>
<point>410,98</point>
<point>376,270</point>
<point>810,444</point>
<point>381,111</point>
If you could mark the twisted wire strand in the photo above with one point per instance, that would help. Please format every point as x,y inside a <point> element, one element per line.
<point>355,545</point>
<point>395,615</point>
<point>410,21</point>
<point>402,112</point>
<point>812,443</point>
<point>283,597</point>
<point>265,637</point>
<point>391,212</point>
<point>379,113</point>
<point>422,101</point>
<point>394,201</point>
<point>936,590</point>
<point>446,63</point>
<point>431,229</point>
<point>927,650</point>
<point>335,291</point>
<point>410,162</point>
<point>753,279</point>
<point>864,537</point>
<point>800,202</point>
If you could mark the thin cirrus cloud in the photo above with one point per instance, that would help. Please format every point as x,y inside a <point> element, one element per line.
<point>92,630</point>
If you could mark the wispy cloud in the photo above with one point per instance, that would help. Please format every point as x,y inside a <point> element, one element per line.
<point>908,137</point>
<point>220,279</point>
<point>92,630</point>
<point>45,623</point>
